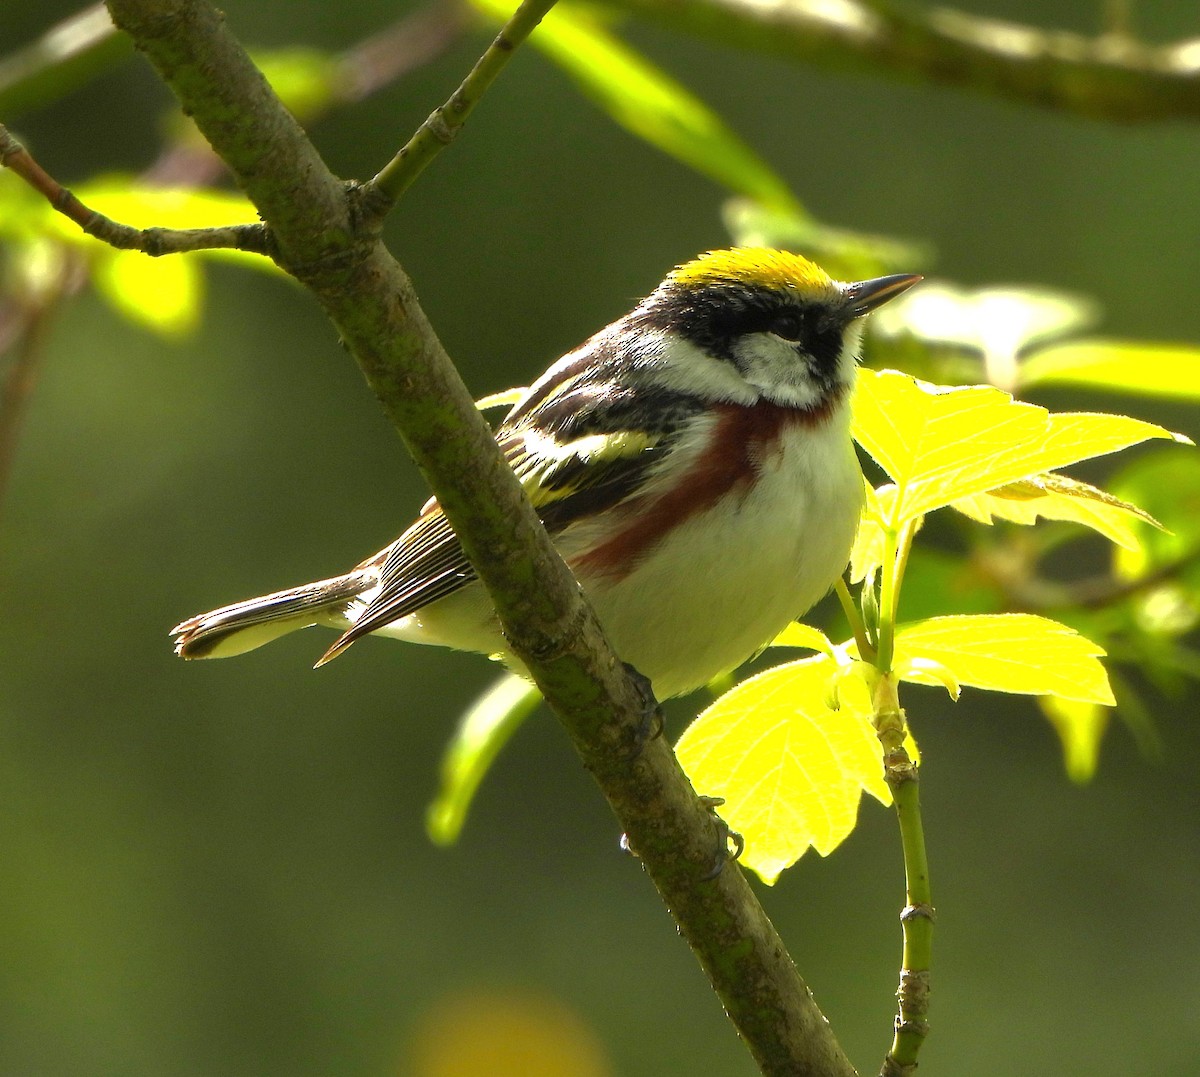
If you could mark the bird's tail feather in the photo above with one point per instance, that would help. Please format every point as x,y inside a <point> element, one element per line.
<point>244,626</point>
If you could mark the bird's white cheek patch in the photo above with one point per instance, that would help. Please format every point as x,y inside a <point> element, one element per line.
<point>778,371</point>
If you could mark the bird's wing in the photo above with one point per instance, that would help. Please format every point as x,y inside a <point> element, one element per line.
<point>572,474</point>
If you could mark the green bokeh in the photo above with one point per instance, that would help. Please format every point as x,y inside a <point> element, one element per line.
<point>220,868</point>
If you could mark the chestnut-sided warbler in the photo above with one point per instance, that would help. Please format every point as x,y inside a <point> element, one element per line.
<point>692,462</point>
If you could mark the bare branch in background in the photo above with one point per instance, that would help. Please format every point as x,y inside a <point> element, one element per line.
<point>1109,77</point>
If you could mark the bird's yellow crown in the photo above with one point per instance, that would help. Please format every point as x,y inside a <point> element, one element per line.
<point>755,266</point>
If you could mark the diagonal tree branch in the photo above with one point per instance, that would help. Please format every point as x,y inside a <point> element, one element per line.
<point>1110,77</point>
<point>317,223</point>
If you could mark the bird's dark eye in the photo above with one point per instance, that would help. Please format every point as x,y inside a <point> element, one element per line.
<point>788,324</point>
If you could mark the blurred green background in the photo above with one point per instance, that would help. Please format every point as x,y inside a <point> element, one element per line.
<point>221,868</point>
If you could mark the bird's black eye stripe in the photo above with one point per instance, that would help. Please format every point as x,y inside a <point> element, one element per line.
<point>789,324</point>
<point>715,318</point>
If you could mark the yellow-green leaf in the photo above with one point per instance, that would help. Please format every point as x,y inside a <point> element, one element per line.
<point>1080,726</point>
<point>144,205</point>
<point>791,770</point>
<point>1170,370</point>
<point>649,103</point>
<point>928,671</point>
<point>1006,652</point>
<point>940,444</point>
<point>798,634</point>
<point>163,295</point>
<point>1080,435</point>
<point>483,731</point>
<point>1056,497</point>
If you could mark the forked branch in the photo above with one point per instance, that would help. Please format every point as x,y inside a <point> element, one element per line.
<point>151,241</point>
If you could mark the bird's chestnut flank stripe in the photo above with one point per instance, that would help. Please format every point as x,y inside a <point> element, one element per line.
<point>743,440</point>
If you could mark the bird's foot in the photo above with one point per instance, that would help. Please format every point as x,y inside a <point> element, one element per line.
<point>650,724</point>
<point>725,838</point>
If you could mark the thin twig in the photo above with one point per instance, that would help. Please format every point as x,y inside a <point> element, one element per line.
<point>1095,594</point>
<point>901,775</point>
<point>438,131</point>
<point>151,241</point>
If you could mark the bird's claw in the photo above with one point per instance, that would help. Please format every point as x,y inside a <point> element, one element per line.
<point>725,838</point>
<point>650,725</point>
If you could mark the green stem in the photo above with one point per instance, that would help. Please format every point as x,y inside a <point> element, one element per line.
<point>917,917</point>
<point>903,549</point>
<point>897,545</point>
<point>438,131</point>
<point>887,602</point>
<point>857,626</point>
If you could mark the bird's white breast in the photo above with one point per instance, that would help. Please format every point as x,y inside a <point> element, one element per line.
<point>715,587</point>
<point>726,580</point>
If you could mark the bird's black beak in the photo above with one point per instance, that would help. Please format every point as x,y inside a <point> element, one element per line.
<point>864,296</point>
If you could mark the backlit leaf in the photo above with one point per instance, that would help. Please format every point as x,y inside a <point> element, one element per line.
<point>1057,497</point>
<point>1169,370</point>
<point>798,634</point>
<point>940,444</point>
<point>1006,652</point>
<point>144,205</point>
<point>845,255</point>
<point>1080,726</point>
<point>163,295</point>
<point>928,671</point>
<point>866,555</point>
<point>791,770</point>
<point>481,734</point>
